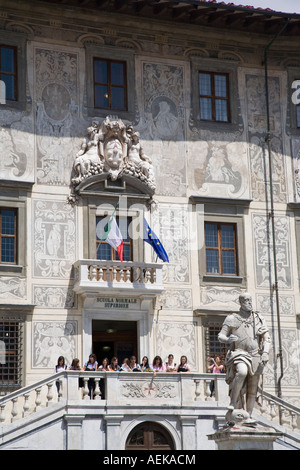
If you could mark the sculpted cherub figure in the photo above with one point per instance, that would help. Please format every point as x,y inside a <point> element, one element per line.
<point>89,151</point>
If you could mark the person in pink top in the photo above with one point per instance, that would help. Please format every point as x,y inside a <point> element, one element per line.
<point>216,367</point>
<point>158,365</point>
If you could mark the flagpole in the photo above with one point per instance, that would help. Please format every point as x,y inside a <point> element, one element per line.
<point>114,210</point>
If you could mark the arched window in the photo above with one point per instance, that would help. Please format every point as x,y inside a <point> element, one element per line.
<point>149,436</point>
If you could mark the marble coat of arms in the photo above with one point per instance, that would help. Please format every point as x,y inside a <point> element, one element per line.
<point>112,148</point>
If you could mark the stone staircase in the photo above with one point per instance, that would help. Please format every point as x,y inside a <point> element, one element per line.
<point>37,417</point>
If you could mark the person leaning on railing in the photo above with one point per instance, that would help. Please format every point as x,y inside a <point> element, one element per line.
<point>91,365</point>
<point>114,366</point>
<point>183,366</point>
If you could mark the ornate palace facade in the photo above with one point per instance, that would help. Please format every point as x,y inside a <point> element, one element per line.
<point>184,113</point>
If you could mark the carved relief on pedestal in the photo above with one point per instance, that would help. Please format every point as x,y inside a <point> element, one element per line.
<point>114,149</point>
<point>148,390</point>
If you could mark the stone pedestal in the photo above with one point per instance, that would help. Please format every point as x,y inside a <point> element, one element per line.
<point>245,438</point>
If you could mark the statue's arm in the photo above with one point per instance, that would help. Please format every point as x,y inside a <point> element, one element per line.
<point>225,335</point>
<point>266,340</point>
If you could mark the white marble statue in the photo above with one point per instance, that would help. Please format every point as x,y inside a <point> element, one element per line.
<point>88,154</point>
<point>137,156</point>
<point>249,339</point>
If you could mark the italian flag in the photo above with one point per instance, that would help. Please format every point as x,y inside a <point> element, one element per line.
<point>113,236</point>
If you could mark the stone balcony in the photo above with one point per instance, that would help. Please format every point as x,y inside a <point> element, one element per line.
<point>124,278</point>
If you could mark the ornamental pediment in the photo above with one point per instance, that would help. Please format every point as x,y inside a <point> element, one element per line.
<point>112,150</point>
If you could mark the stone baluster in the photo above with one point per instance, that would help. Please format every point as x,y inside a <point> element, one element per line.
<point>26,404</point>
<point>154,275</point>
<point>293,420</point>
<point>14,410</point>
<point>285,416</point>
<point>85,389</point>
<point>60,393</point>
<point>141,275</point>
<point>38,400</point>
<point>147,275</point>
<point>207,389</point>
<point>122,274</point>
<point>127,274</point>
<point>263,407</point>
<point>273,413</point>
<point>93,272</point>
<point>49,394</point>
<point>100,273</point>
<point>114,273</point>
<point>97,392</point>
<point>2,413</point>
<point>135,276</point>
<point>197,390</point>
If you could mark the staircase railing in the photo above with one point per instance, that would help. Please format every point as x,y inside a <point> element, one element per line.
<point>32,398</point>
<point>277,410</point>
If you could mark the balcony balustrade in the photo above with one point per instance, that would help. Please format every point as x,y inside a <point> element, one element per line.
<point>97,275</point>
<point>111,389</point>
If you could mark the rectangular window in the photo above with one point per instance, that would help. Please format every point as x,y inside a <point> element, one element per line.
<point>220,248</point>
<point>105,251</point>
<point>8,236</point>
<point>8,71</point>
<point>214,96</point>
<point>10,353</point>
<point>110,90</point>
<point>214,347</point>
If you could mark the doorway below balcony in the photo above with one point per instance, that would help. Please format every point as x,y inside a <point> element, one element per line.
<point>114,338</point>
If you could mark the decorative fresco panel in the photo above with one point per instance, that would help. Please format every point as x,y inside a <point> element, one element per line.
<point>51,340</point>
<point>257,125</point>
<point>263,251</point>
<point>56,89</point>
<point>178,339</point>
<point>54,239</point>
<point>162,124</point>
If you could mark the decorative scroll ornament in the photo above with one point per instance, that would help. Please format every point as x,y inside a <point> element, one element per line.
<point>112,148</point>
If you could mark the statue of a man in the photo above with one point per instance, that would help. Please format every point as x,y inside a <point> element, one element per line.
<point>249,339</point>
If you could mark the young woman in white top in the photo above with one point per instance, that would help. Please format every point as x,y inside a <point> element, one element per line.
<point>58,368</point>
<point>170,364</point>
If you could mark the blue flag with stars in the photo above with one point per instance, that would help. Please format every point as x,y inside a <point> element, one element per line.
<point>151,238</point>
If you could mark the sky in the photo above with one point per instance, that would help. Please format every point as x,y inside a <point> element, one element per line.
<point>286,6</point>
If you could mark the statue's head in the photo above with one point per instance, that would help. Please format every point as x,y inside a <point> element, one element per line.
<point>245,300</point>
